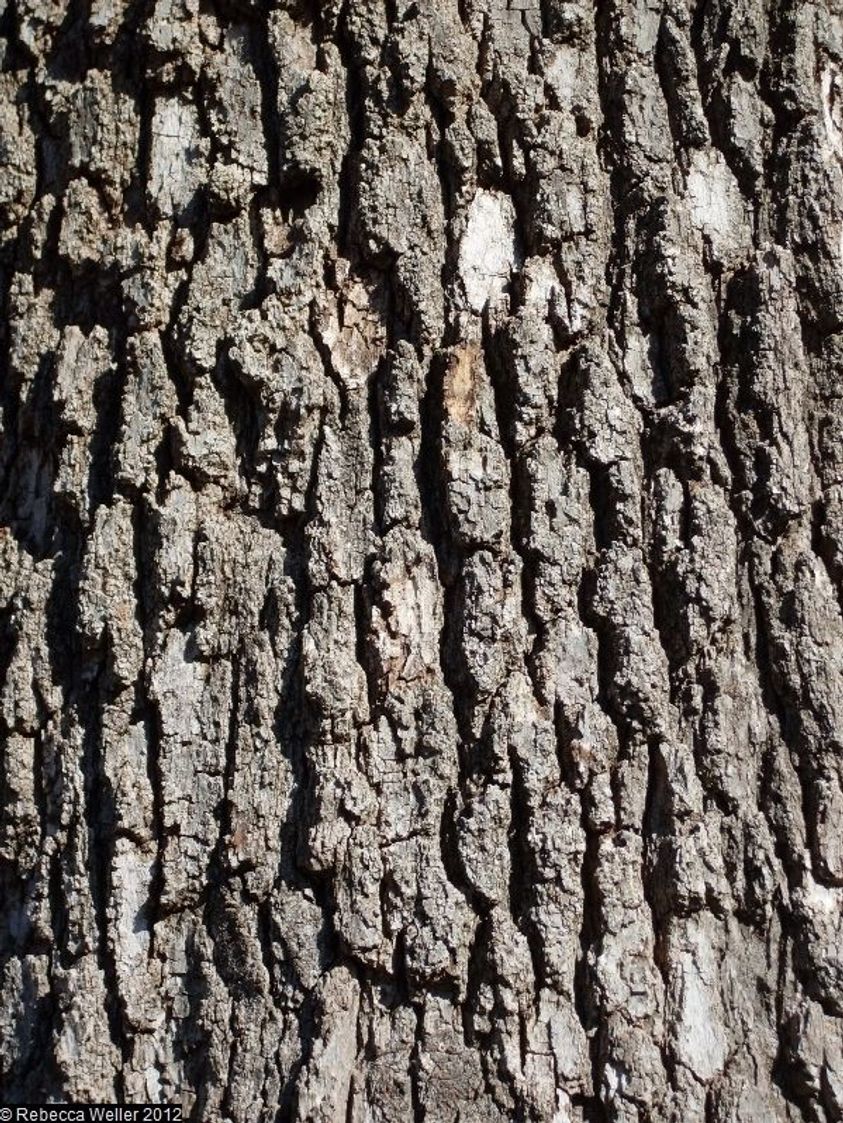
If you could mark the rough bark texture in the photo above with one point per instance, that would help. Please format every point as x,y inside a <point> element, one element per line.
<point>422,558</point>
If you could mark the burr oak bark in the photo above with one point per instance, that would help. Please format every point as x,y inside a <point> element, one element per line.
<point>421,559</point>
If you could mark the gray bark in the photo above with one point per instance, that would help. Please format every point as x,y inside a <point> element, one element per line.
<point>422,558</point>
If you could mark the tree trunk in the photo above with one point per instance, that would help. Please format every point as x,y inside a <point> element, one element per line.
<point>422,559</point>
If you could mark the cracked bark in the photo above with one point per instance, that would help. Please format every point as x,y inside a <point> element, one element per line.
<point>422,558</point>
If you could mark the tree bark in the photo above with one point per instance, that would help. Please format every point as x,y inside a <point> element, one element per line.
<point>422,559</point>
